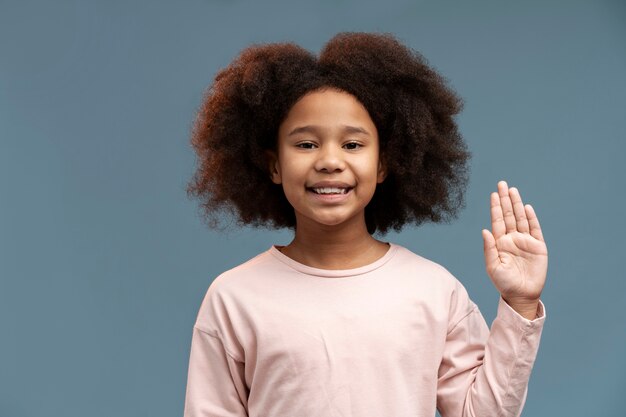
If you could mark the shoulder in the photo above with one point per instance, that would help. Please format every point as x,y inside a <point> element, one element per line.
<point>248,279</point>
<point>442,287</point>
<point>253,267</point>
<point>232,289</point>
<point>418,265</point>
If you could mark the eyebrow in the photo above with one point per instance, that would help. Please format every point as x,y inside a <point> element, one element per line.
<point>315,129</point>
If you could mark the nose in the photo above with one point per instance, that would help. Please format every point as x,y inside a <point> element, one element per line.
<point>330,159</point>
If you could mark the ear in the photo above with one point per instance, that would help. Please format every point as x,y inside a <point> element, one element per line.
<point>273,166</point>
<point>382,171</point>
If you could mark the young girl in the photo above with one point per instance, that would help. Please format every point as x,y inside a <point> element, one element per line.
<point>338,323</point>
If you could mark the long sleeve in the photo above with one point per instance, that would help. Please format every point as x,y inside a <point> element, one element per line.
<point>398,337</point>
<point>215,383</point>
<point>485,373</point>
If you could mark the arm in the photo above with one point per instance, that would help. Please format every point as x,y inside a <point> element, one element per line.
<point>216,382</point>
<point>486,373</point>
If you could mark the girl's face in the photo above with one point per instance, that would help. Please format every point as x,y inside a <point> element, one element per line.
<point>328,158</point>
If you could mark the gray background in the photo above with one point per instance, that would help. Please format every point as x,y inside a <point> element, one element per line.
<point>104,261</point>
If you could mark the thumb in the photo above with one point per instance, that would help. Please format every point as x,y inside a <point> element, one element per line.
<point>491,252</point>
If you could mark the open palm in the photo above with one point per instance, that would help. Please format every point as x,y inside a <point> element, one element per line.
<point>516,256</point>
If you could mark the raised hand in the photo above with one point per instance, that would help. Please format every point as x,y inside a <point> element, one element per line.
<point>516,256</point>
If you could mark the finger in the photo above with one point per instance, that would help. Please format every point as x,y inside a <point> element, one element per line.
<point>533,221</point>
<point>507,207</point>
<point>491,252</point>
<point>497,220</point>
<point>518,210</point>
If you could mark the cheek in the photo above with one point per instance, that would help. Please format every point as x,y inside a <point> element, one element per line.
<point>294,196</point>
<point>292,181</point>
<point>293,169</point>
<point>368,170</point>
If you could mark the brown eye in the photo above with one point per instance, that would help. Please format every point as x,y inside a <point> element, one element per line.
<point>352,145</point>
<point>305,145</point>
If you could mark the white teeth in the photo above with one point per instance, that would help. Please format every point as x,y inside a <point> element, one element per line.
<point>330,190</point>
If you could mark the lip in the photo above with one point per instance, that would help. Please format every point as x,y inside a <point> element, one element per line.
<point>330,198</point>
<point>335,184</point>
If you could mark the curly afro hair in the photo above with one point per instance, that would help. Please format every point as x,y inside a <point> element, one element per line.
<point>410,104</point>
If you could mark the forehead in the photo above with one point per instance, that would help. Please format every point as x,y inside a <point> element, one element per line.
<point>330,108</point>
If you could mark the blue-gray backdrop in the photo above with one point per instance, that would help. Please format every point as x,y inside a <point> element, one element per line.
<point>104,260</point>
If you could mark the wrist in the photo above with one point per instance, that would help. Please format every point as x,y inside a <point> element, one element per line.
<point>525,308</point>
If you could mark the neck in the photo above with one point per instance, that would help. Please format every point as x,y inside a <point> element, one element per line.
<point>344,246</point>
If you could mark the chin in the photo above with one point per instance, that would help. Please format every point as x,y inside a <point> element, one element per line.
<point>335,221</point>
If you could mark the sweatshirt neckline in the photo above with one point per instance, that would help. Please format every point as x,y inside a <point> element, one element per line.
<point>334,273</point>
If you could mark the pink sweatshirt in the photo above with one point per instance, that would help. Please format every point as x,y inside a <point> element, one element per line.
<point>396,338</point>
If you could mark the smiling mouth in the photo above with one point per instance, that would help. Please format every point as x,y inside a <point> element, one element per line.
<point>329,190</point>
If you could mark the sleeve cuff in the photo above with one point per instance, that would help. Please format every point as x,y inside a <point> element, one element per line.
<point>506,313</point>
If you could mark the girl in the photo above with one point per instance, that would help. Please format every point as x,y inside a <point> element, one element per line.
<point>337,322</point>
